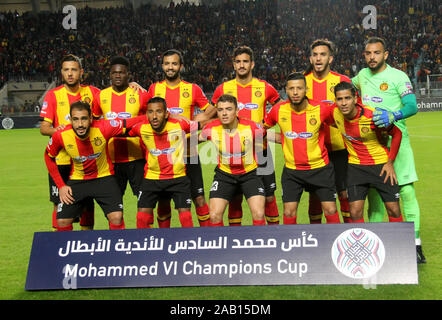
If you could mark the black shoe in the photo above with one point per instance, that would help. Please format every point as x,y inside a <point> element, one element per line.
<point>420,255</point>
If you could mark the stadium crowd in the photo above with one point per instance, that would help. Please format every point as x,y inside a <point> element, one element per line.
<point>278,31</point>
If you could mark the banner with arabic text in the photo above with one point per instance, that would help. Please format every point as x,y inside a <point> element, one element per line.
<point>371,253</point>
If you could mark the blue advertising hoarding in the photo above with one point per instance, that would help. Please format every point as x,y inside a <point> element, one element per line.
<point>370,253</point>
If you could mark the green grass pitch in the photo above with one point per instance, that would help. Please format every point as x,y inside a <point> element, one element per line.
<point>26,209</point>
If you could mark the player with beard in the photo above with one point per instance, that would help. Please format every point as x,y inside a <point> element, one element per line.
<point>54,116</point>
<point>182,98</point>
<point>85,143</point>
<point>252,95</point>
<point>320,83</point>
<point>306,158</point>
<point>390,91</point>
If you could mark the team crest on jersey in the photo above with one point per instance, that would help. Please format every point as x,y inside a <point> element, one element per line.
<point>332,87</point>
<point>97,141</point>
<point>132,100</point>
<point>258,94</point>
<point>87,99</point>
<point>186,94</point>
<point>383,86</point>
<point>313,121</point>
<point>364,129</point>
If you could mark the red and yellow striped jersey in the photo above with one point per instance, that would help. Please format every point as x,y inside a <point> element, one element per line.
<point>301,139</point>
<point>122,105</point>
<point>364,141</point>
<point>165,150</point>
<point>90,156</point>
<point>181,99</point>
<point>252,98</point>
<point>323,90</point>
<point>56,109</point>
<point>237,149</point>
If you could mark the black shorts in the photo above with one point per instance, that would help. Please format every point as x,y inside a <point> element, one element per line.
<point>339,160</point>
<point>177,189</point>
<point>195,174</point>
<point>132,172</point>
<point>104,190</point>
<point>226,185</point>
<point>267,173</point>
<point>361,177</point>
<point>320,181</point>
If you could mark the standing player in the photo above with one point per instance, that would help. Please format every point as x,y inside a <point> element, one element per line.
<point>85,143</point>
<point>239,141</point>
<point>164,140</point>
<point>121,102</point>
<point>320,83</point>
<point>252,95</point>
<point>182,97</point>
<point>306,158</point>
<point>390,91</point>
<point>369,160</point>
<point>54,116</point>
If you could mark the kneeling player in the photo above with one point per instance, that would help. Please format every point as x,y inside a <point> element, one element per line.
<point>92,174</point>
<point>165,170</point>
<point>370,162</point>
<point>239,142</point>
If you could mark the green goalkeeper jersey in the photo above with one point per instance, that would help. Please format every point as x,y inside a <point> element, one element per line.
<point>384,90</point>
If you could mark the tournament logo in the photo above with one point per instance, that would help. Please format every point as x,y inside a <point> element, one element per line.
<point>383,86</point>
<point>358,253</point>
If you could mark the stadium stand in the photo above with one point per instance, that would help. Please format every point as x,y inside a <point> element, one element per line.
<point>31,44</point>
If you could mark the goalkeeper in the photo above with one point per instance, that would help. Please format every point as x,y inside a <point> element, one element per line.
<point>390,91</point>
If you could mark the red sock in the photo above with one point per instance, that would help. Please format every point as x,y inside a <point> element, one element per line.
<point>333,218</point>
<point>271,212</point>
<point>144,220</point>
<point>219,224</point>
<point>87,219</point>
<point>235,213</point>
<point>186,219</point>
<point>54,219</point>
<point>203,215</point>
<point>357,221</point>
<point>393,219</point>
<point>67,228</point>
<point>259,222</point>
<point>163,222</point>
<point>120,226</point>
<point>314,211</point>
<point>289,220</point>
<point>345,209</point>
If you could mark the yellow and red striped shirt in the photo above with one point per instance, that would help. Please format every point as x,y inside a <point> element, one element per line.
<point>323,90</point>
<point>181,99</point>
<point>236,150</point>
<point>122,105</point>
<point>302,143</point>
<point>164,151</point>
<point>56,109</point>
<point>363,139</point>
<point>252,97</point>
<point>90,156</point>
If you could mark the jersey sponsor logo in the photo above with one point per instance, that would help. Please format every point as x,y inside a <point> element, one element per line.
<point>176,110</point>
<point>408,85</point>
<point>351,138</point>
<point>251,106</point>
<point>294,135</point>
<point>44,106</point>
<point>358,253</point>
<point>111,115</point>
<point>328,101</point>
<point>377,99</point>
<point>67,117</point>
<point>115,123</point>
<point>89,157</point>
<point>232,155</point>
<point>406,92</point>
<point>124,115</point>
<point>158,152</point>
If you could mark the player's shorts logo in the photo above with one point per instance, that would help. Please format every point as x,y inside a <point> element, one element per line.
<point>358,253</point>
<point>383,86</point>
